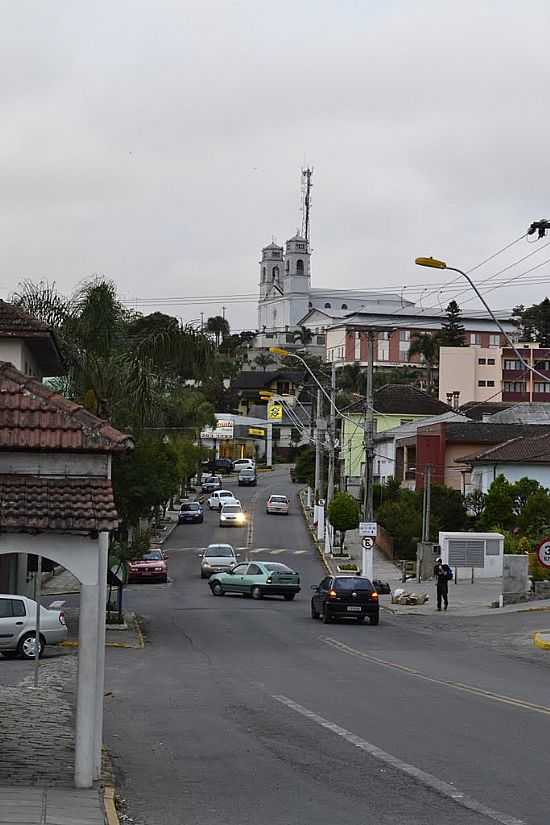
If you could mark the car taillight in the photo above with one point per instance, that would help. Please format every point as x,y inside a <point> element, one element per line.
<point>332,594</point>
<point>62,618</point>
<point>269,580</point>
<point>374,595</point>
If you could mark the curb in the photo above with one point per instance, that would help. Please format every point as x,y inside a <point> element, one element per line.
<point>109,805</point>
<point>73,643</point>
<point>313,536</point>
<point>538,641</point>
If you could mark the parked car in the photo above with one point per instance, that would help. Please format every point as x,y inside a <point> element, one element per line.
<point>191,512</point>
<point>217,558</point>
<point>277,504</point>
<point>248,477</point>
<point>220,497</point>
<point>232,515</point>
<point>349,597</point>
<point>257,579</point>
<point>212,483</point>
<point>150,567</point>
<point>18,627</point>
<point>241,463</point>
<point>220,465</point>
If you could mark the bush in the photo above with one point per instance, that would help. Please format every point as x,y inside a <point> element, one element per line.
<point>343,513</point>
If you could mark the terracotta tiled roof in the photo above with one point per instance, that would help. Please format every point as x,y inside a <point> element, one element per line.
<point>31,504</point>
<point>34,417</point>
<point>523,450</point>
<point>14,321</point>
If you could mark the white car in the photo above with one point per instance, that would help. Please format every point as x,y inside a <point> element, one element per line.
<point>217,558</point>
<point>221,497</point>
<point>277,504</point>
<point>231,515</point>
<point>18,626</point>
<point>242,463</point>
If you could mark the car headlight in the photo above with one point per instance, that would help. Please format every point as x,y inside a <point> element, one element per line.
<point>205,564</point>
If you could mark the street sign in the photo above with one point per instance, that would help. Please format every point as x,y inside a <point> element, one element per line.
<point>274,411</point>
<point>256,431</point>
<point>368,528</point>
<point>367,543</point>
<point>543,552</point>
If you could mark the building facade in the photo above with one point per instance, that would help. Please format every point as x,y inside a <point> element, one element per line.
<point>471,373</point>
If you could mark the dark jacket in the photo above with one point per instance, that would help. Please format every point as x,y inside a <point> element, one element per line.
<point>442,572</point>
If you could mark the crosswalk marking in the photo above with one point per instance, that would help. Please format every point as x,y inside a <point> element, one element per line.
<point>276,552</point>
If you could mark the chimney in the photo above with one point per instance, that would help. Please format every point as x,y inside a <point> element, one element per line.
<point>456,396</point>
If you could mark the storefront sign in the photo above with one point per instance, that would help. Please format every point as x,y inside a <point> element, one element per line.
<point>223,430</point>
<point>256,431</point>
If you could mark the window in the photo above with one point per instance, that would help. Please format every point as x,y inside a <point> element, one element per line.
<point>300,266</point>
<point>275,273</point>
<point>482,361</point>
<point>515,386</point>
<point>383,350</point>
<point>327,306</point>
<point>287,266</point>
<point>300,246</point>
<point>309,304</point>
<point>482,383</point>
<point>263,273</point>
<point>512,364</point>
<point>18,607</point>
<point>5,609</point>
<point>404,335</point>
<point>542,365</point>
<point>491,362</point>
<point>404,343</point>
<point>494,340</point>
<point>490,383</point>
<point>344,306</point>
<point>475,338</point>
<point>254,570</point>
<point>542,386</point>
<point>240,569</point>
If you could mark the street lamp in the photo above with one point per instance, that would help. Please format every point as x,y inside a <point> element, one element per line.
<point>435,263</point>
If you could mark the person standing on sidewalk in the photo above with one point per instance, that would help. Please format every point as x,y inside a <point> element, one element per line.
<point>442,574</point>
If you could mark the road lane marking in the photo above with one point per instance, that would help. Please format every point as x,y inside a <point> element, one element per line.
<point>427,779</point>
<point>461,686</point>
<point>277,552</point>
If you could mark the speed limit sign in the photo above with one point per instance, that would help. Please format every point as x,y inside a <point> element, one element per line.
<point>543,552</point>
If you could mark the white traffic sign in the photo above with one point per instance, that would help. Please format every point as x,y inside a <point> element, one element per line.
<point>543,552</point>
<point>367,543</point>
<point>368,528</point>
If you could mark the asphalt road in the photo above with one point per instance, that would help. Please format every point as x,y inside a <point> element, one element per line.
<point>242,711</point>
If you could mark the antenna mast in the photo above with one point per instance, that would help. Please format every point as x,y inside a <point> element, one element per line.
<point>306,202</point>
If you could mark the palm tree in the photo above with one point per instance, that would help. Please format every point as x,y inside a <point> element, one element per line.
<point>219,326</point>
<point>303,335</point>
<point>264,360</point>
<point>426,345</point>
<point>352,378</point>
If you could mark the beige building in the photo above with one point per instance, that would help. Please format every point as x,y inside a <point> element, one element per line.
<point>475,373</point>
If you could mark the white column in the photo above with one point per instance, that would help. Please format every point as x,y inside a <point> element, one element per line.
<point>367,563</point>
<point>321,521</point>
<point>269,445</point>
<point>100,673</point>
<point>86,687</point>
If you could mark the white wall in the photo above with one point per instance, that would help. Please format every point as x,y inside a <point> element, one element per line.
<point>15,352</point>
<point>460,371</point>
<point>484,475</point>
<point>493,564</point>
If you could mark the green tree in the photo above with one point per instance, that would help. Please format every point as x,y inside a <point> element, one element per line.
<point>264,360</point>
<point>499,505</point>
<point>452,331</point>
<point>426,345</point>
<point>534,518</point>
<point>534,322</point>
<point>304,336</point>
<point>403,521</point>
<point>343,513</point>
<point>475,503</point>
<point>352,378</point>
<point>219,327</point>
<point>448,510</point>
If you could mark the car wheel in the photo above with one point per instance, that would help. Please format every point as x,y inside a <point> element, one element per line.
<point>217,589</point>
<point>360,619</point>
<point>164,580</point>
<point>9,654</point>
<point>314,613</point>
<point>289,596</point>
<point>326,616</point>
<point>27,644</point>
<point>374,619</point>
<point>256,592</point>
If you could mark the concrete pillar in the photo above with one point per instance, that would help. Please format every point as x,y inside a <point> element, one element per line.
<point>100,672</point>
<point>321,521</point>
<point>86,687</point>
<point>367,563</point>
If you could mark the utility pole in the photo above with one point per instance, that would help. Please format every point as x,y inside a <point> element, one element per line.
<point>318,466</point>
<point>332,435</point>
<point>368,499</point>
<point>427,501</point>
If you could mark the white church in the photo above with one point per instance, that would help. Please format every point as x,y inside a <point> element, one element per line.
<point>288,302</point>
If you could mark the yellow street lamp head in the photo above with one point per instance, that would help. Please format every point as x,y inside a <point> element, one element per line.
<point>279,351</point>
<point>433,262</point>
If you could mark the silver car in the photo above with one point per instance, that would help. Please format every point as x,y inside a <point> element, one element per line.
<point>18,625</point>
<point>217,558</point>
<point>232,515</point>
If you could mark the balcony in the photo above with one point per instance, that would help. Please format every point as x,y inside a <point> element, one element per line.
<point>515,396</point>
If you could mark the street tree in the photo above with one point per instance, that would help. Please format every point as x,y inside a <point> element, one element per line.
<point>452,331</point>
<point>499,505</point>
<point>534,322</point>
<point>219,327</point>
<point>426,345</point>
<point>343,514</point>
<point>264,360</point>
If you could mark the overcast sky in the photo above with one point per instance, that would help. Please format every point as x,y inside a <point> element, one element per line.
<point>160,143</point>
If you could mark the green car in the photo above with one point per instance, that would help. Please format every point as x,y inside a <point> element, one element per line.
<point>257,579</point>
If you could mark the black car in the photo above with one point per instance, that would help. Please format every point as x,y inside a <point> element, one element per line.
<point>220,465</point>
<point>191,512</point>
<point>345,597</point>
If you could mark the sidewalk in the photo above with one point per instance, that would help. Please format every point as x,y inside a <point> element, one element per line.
<point>47,806</point>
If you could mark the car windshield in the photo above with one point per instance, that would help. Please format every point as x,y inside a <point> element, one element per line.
<point>153,555</point>
<point>247,472</point>
<point>231,508</point>
<point>225,494</point>
<point>353,583</point>
<point>220,551</point>
<point>278,568</point>
<point>194,505</point>
<point>281,499</point>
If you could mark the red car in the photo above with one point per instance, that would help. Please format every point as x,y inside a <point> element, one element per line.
<point>151,567</point>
